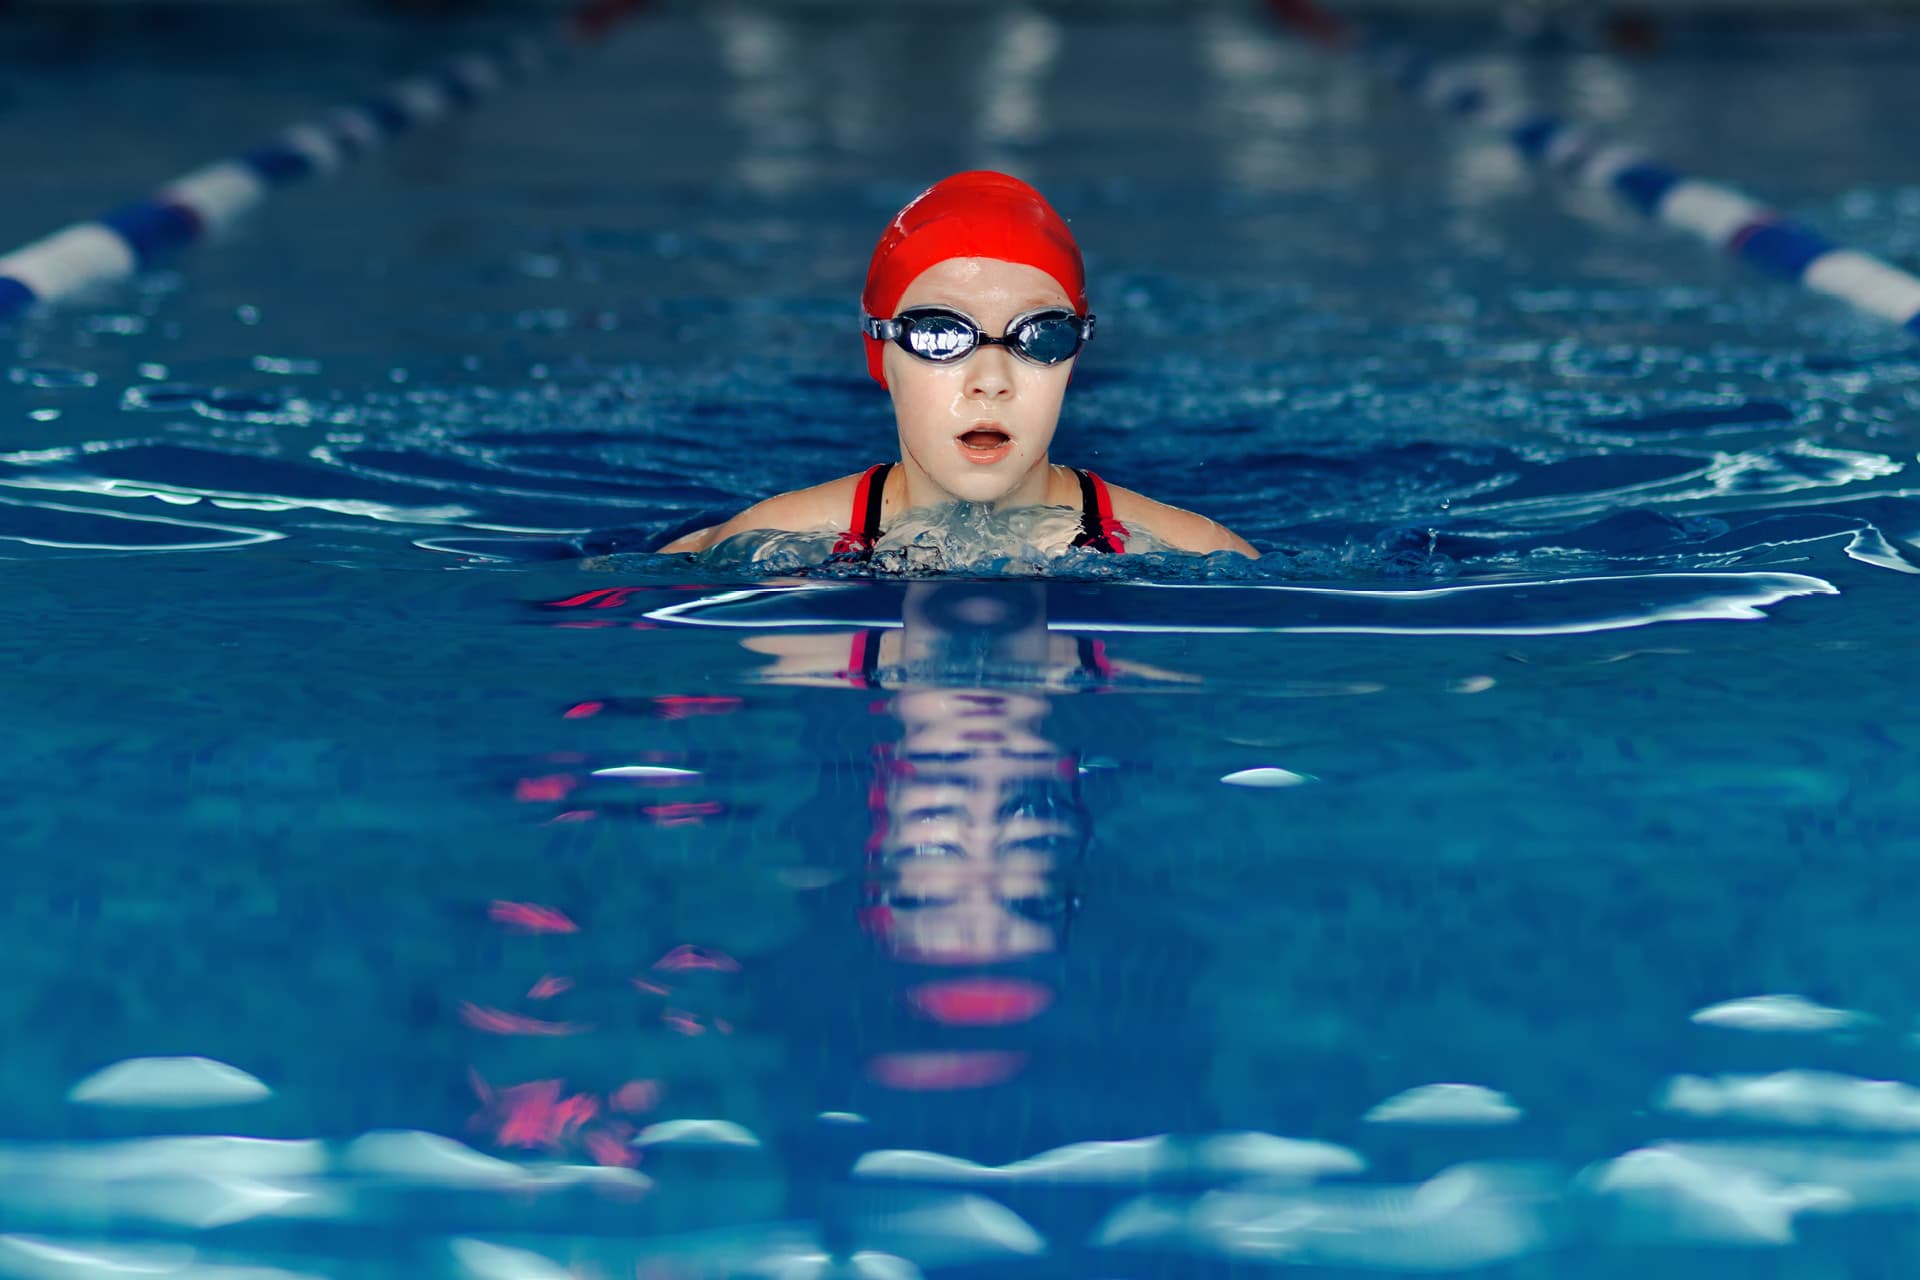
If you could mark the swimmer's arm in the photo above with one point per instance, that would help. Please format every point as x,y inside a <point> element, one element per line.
<point>824,507</point>
<point>1186,530</point>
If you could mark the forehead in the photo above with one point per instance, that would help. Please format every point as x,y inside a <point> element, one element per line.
<point>983,285</point>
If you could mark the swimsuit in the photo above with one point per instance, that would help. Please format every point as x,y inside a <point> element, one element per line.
<point>1093,670</point>
<point>1098,529</point>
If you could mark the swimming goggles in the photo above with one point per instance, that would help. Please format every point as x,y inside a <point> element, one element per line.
<point>941,335</point>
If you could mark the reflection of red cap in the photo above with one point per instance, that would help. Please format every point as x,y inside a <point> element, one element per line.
<point>978,214</point>
<point>980,1002</point>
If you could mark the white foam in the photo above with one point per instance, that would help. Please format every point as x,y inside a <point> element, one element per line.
<point>210,1155</point>
<point>484,1260</point>
<point>413,1155</point>
<point>922,1166</point>
<point>1124,1160</point>
<point>1668,1196</point>
<point>1466,1216</point>
<point>1777,1013</point>
<point>205,1203</point>
<point>168,1083</point>
<point>1266,776</point>
<point>1269,1155</point>
<point>1244,1154</point>
<point>38,1256</point>
<point>971,1223</point>
<point>695,1133</point>
<point>1445,1104</point>
<point>1874,1172</point>
<point>1797,1098</point>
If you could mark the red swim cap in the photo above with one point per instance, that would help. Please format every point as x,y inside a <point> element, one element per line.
<point>978,214</point>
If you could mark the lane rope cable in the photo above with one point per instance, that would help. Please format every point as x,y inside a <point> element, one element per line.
<point>1728,219</point>
<point>133,236</point>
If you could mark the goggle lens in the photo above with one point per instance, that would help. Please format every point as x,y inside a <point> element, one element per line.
<point>942,336</point>
<point>1047,339</point>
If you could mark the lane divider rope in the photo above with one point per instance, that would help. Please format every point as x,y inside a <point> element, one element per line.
<point>135,235</point>
<point>1728,219</point>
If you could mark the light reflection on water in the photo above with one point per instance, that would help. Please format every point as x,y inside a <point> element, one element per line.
<point>1506,865</point>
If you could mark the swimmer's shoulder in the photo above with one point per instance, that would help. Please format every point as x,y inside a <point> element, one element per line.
<point>1187,530</point>
<point>822,507</point>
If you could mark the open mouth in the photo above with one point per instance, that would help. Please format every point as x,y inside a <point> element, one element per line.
<point>986,443</point>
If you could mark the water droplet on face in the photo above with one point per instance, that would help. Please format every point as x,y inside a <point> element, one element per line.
<point>248,314</point>
<point>44,415</point>
<point>154,371</point>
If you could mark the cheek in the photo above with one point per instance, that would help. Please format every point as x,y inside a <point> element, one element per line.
<point>920,393</point>
<point>1045,389</point>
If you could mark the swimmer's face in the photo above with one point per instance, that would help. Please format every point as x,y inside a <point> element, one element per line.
<point>978,430</point>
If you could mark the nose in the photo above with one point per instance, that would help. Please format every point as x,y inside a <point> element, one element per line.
<point>989,375</point>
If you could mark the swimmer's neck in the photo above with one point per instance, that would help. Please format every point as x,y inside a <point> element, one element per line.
<point>1046,484</point>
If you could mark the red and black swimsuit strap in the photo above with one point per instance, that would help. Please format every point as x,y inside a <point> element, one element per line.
<point>1097,524</point>
<point>867,500</point>
<point>1096,514</point>
<point>863,524</point>
<point>863,662</point>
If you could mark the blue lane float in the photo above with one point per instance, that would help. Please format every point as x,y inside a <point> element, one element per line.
<point>196,205</point>
<point>1728,219</point>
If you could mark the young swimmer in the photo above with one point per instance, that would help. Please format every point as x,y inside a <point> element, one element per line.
<point>975,309</point>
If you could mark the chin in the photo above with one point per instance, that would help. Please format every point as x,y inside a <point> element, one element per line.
<point>986,491</point>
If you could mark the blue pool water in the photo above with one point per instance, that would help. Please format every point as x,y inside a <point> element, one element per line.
<point>1403,902</point>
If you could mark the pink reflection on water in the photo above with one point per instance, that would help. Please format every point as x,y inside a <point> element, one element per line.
<point>531,916</point>
<point>980,1002</point>
<point>687,957</point>
<point>500,1022</point>
<point>939,1071</point>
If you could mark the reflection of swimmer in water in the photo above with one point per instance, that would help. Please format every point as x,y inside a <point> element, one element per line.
<point>977,822</point>
<point>962,1016</point>
<point>975,310</point>
<point>953,636</point>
